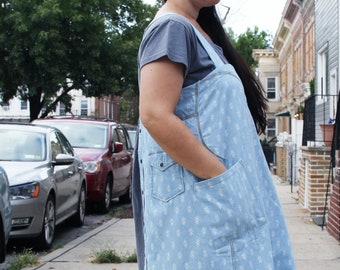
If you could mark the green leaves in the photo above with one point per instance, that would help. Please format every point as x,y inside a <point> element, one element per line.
<point>246,42</point>
<point>43,42</point>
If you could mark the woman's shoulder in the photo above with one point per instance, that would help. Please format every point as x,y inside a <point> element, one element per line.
<point>169,35</point>
<point>170,20</point>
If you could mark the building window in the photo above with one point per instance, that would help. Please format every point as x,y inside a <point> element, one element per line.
<point>271,88</point>
<point>23,105</point>
<point>333,93</point>
<point>83,107</point>
<point>271,128</point>
<point>322,72</point>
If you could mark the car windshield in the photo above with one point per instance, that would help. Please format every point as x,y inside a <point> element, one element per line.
<point>132,135</point>
<point>83,135</point>
<point>18,145</point>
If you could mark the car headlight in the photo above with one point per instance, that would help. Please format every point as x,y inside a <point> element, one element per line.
<point>26,191</point>
<point>92,166</point>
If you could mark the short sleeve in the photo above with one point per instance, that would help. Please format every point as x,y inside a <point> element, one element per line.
<point>174,38</point>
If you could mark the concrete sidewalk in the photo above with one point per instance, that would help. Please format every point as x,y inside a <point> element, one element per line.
<point>313,247</point>
<point>116,234</point>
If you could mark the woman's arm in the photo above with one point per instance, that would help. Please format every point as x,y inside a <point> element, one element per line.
<point>160,87</point>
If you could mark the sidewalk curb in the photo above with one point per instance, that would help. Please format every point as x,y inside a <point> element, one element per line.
<point>76,242</point>
<point>72,244</point>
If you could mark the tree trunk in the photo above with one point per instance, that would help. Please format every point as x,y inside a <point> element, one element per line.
<point>35,106</point>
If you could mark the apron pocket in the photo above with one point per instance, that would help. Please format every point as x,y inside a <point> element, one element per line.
<point>230,206</point>
<point>166,177</point>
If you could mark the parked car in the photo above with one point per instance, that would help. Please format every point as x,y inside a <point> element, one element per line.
<point>47,181</point>
<point>106,150</point>
<point>131,129</point>
<point>5,214</point>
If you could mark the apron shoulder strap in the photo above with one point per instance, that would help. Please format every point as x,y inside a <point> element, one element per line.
<point>209,49</point>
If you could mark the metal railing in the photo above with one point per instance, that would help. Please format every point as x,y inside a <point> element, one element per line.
<point>318,110</point>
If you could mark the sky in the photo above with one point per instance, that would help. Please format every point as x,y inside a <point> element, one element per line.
<point>243,14</point>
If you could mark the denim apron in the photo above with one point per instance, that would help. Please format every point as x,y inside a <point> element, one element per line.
<point>233,221</point>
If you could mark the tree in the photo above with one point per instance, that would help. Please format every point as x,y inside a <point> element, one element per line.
<point>246,42</point>
<point>48,47</point>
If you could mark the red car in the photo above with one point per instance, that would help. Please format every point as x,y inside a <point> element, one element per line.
<point>106,150</point>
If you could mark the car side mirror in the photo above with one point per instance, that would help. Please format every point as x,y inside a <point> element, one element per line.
<point>117,147</point>
<point>63,159</point>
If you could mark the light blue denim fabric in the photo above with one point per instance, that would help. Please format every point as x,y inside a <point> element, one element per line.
<point>233,221</point>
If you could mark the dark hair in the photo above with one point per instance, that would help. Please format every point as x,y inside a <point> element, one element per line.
<point>257,102</point>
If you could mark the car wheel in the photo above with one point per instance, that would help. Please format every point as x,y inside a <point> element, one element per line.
<point>78,218</point>
<point>48,229</point>
<point>2,243</point>
<point>106,200</point>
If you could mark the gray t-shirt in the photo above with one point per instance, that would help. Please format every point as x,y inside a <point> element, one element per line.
<point>173,36</point>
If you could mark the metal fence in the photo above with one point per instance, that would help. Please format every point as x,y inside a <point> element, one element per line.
<point>318,110</point>
<point>269,152</point>
<point>292,169</point>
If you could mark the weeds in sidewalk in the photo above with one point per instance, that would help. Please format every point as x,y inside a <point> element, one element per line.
<point>57,246</point>
<point>117,212</point>
<point>122,212</point>
<point>22,260</point>
<point>111,256</point>
<point>132,258</point>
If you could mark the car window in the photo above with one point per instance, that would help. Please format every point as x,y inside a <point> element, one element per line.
<point>34,147</point>
<point>128,139</point>
<point>56,147</point>
<point>122,138</point>
<point>115,137</point>
<point>83,135</point>
<point>18,145</point>
<point>132,135</point>
<point>96,136</point>
<point>65,145</point>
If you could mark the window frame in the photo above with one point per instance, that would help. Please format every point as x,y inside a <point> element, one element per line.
<point>273,90</point>
<point>271,129</point>
<point>84,107</point>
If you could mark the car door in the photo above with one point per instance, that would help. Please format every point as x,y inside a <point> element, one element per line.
<point>121,161</point>
<point>126,155</point>
<point>67,180</point>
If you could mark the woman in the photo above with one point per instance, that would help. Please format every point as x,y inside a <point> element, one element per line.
<point>203,195</point>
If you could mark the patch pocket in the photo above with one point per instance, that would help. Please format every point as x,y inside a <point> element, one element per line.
<point>230,206</point>
<point>166,177</point>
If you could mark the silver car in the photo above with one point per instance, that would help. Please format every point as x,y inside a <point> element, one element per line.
<point>5,214</point>
<point>47,181</point>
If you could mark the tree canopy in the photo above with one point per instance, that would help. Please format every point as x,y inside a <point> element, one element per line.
<point>48,47</point>
<point>246,42</point>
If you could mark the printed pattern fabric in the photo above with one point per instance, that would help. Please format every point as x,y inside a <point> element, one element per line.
<point>232,221</point>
